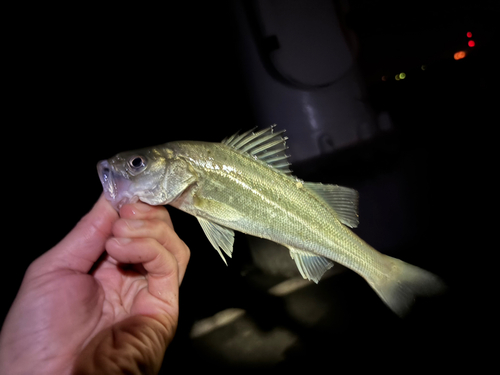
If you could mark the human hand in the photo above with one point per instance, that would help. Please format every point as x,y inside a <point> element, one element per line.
<point>82,310</point>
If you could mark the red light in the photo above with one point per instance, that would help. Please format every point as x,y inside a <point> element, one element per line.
<point>471,43</point>
<point>469,34</point>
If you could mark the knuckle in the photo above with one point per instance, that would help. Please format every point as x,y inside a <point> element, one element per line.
<point>187,251</point>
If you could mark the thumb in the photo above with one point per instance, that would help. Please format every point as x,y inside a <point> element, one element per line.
<point>83,246</point>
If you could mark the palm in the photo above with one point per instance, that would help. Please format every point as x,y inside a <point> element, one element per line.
<point>125,291</point>
<point>81,305</point>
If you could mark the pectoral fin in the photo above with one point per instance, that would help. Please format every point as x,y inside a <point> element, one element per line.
<point>219,236</point>
<point>311,267</point>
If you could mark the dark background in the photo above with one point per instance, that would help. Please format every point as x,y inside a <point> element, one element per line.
<point>86,82</point>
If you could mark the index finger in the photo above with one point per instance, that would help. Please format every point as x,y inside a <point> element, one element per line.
<point>143,211</point>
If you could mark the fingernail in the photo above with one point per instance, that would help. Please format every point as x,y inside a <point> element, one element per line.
<point>134,224</point>
<point>123,241</point>
<point>142,207</point>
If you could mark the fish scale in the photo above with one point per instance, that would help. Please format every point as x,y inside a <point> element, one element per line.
<point>305,223</point>
<point>244,183</point>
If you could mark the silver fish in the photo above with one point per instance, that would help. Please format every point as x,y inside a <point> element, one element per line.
<point>244,184</point>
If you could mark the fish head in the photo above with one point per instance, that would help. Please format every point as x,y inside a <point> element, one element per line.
<point>134,176</point>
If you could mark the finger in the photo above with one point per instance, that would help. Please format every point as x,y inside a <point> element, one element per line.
<point>161,232</point>
<point>83,246</point>
<point>144,211</point>
<point>161,265</point>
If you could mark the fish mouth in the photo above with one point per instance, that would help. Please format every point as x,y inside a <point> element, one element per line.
<point>114,186</point>
<point>107,180</point>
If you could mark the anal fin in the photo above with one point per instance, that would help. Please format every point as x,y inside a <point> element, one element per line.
<point>310,266</point>
<point>219,236</point>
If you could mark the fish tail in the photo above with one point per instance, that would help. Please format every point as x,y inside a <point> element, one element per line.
<point>399,286</point>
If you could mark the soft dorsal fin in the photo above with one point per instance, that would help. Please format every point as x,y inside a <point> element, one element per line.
<point>265,145</point>
<point>343,200</point>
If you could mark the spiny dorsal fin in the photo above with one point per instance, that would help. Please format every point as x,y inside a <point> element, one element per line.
<point>343,200</point>
<point>265,145</point>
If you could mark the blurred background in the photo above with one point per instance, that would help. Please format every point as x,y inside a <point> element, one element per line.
<point>394,99</point>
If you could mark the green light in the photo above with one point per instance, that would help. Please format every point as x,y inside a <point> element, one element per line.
<point>402,75</point>
<point>423,67</point>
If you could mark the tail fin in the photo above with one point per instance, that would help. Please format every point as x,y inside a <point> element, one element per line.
<point>399,287</point>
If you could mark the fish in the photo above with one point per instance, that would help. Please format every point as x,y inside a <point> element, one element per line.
<point>245,184</point>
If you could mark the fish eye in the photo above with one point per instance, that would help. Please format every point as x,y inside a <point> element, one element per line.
<point>137,163</point>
